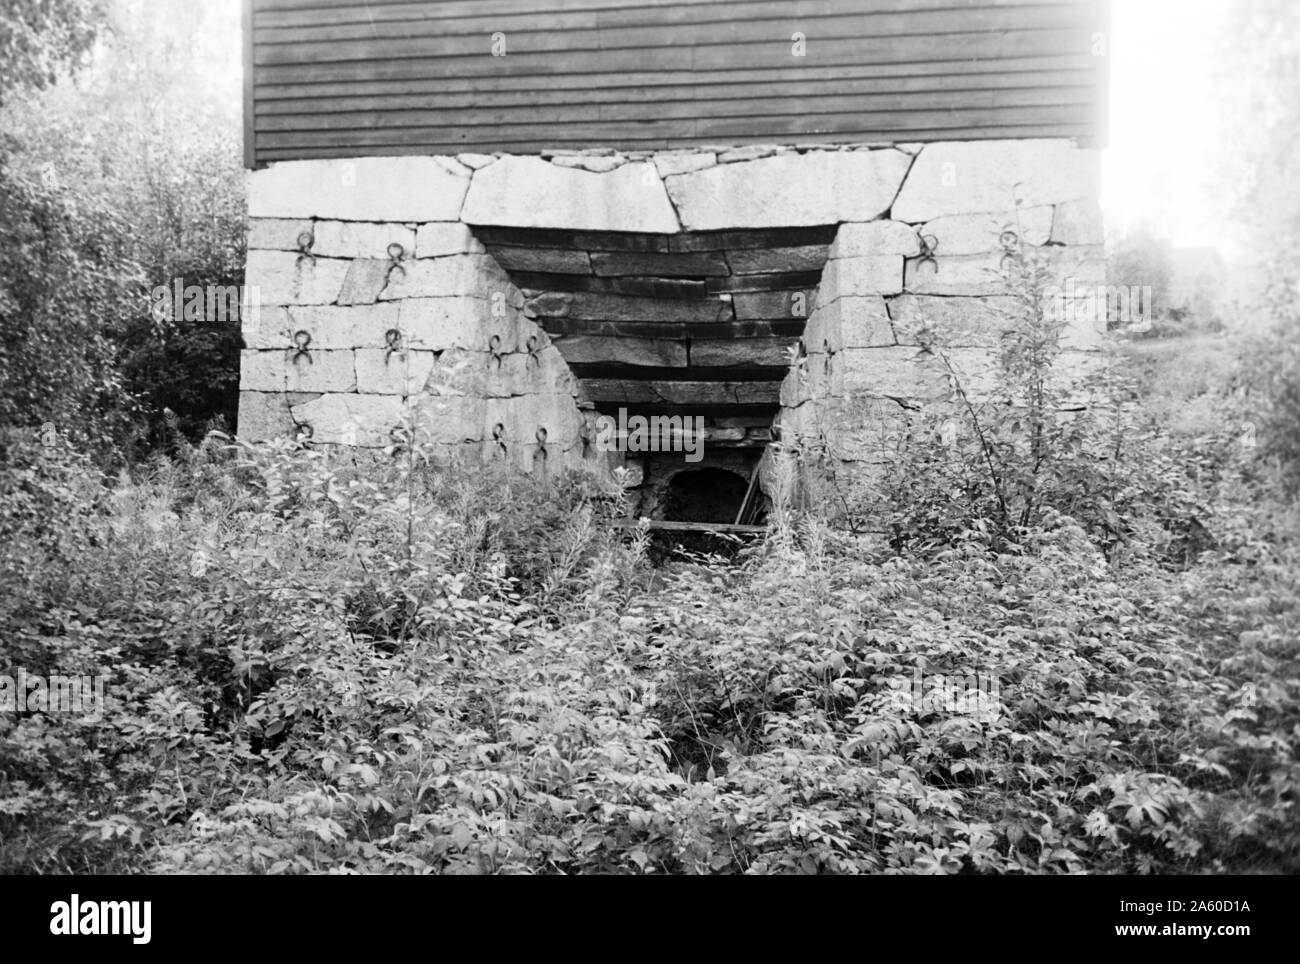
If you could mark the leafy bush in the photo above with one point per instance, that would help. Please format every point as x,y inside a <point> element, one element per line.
<point>1272,368</point>
<point>316,663</point>
<point>65,281</point>
<point>129,179</point>
<point>1044,440</point>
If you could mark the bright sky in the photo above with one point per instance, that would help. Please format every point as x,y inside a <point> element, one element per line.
<point>1156,168</point>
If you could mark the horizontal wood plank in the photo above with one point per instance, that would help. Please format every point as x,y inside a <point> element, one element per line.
<point>678,331</point>
<point>467,141</point>
<point>750,373</point>
<point>331,78</point>
<point>378,118</point>
<point>271,14</point>
<point>709,129</point>
<point>771,88</point>
<point>666,525</point>
<point>395,58</point>
<point>540,31</point>
<point>761,77</point>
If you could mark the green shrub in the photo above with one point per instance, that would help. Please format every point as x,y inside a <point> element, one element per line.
<point>322,663</point>
<point>65,283</point>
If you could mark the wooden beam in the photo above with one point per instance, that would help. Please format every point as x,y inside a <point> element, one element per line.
<point>675,330</point>
<point>616,370</point>
<point>682,289</point>
<point>749,495</point>
<point>666,525</point>
<point>761,413</point>
<point>250,105</point>
<point>690,395</point>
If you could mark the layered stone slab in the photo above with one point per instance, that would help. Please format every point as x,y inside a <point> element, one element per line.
<point>354,239</point>
<point>974,177</point>
<point>285,278</point>
<point>1078,222</point>
<point>294,371</point>
<point>819,187</point>
<point>653,352</point>
<point>875,239</point>
<point>898,372</point>
<point>463,322</point>
<point>679,393</point>
<point>691,280</point>
<point>439,239</point>
<point>998,272</point>
<point>268,415</point>
<point>278,234</point>
<point>365,282</point>
<point>548,260</point>
<point>851,321</point>
<point>363,420</point>
<point>866,275</point>
<point>963,274</point>
<point>808,257</point>
<point>960,322</point>
<point>699,264</point>
<point>739,353</point>
<point>471,275</point>
<point>771,305</point>
<point>335,326</point>
<point>549,419</point>
<point>988,233</point>
<point>383,371</point>
<point>399,189</point>
<point>683,162</point>
<point>531,192</point>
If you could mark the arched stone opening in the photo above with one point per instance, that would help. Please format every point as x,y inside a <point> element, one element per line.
<point>704,495</point>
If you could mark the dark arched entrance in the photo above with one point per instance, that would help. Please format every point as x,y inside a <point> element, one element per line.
<point>704,495</point>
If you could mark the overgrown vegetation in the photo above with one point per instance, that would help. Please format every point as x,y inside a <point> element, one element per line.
<point>319,666</point>
<point>122,179</point>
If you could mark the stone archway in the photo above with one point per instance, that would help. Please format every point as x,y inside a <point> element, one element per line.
<point>708,494</point>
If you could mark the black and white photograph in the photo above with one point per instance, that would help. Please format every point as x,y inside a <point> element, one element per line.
<point>650,438</point>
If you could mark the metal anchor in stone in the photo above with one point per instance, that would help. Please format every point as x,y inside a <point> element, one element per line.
<point>1010,242</point>
<point>393,339</point>
<point>395,255</point>
<point>301,340</point>
<point>929,244</point>
<point>305,241</point>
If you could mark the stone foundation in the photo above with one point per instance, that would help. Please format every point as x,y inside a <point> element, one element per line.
<point>389,304</point>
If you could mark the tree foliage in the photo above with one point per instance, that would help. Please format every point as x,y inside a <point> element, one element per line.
<point>66,286</point>
<point>41,39</point>
<point>132,172</point>
<point>317,662</point>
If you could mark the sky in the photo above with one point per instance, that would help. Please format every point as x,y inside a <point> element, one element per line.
<point>1156,168</point>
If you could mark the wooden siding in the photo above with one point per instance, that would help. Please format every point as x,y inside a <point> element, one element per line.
<point>332,78</point>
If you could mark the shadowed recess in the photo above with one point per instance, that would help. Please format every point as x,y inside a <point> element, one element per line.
<point>698,322</point>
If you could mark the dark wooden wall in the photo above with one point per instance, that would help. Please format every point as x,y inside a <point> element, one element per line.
<point>341,78</point>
